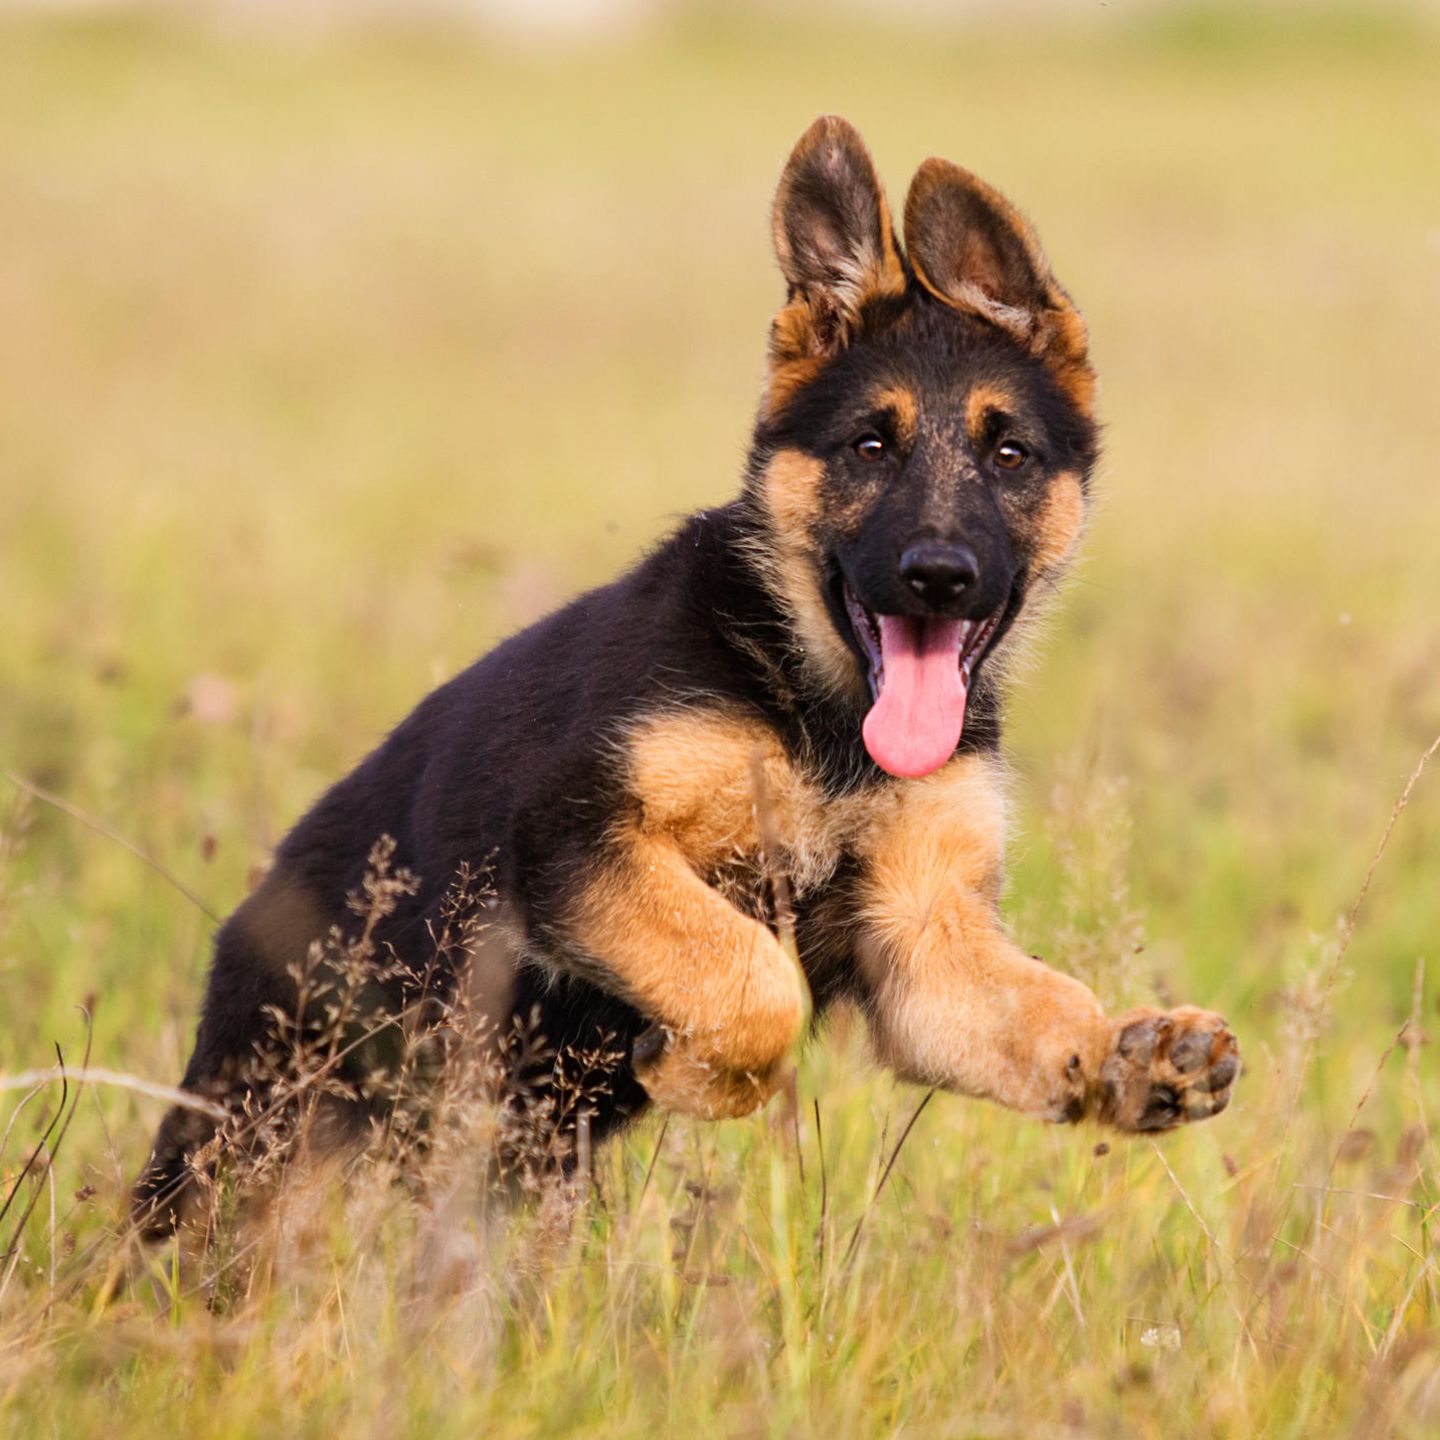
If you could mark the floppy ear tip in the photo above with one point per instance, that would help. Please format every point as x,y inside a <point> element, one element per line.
<point>931,173</point>
<point>937,176</point>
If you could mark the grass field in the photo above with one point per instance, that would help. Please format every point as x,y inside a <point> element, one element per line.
<point>325,361</point>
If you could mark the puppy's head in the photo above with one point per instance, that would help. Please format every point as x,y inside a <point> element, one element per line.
<point>925,441</point>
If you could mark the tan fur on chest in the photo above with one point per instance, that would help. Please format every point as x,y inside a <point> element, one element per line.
<point>716,784</point>
<point>933,851</point>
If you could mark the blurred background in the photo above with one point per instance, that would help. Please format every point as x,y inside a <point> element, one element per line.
<point>339,339</point>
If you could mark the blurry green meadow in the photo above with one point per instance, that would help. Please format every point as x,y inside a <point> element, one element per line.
<point>329,358</point>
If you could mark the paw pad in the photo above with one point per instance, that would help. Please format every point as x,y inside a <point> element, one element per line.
<point>1168,1069</point>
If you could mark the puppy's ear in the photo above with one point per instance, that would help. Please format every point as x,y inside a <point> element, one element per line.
<point>972,249</point>
<point>834,242</point>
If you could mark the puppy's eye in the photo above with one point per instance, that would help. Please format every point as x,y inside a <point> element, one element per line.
<point>1011,455</point>
<point>870,447</point>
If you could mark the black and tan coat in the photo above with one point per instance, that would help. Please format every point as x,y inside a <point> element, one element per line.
<point>653,772</point>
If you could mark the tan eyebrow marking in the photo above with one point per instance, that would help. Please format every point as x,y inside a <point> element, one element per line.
<point>980,403</point>
<point>906,409</point>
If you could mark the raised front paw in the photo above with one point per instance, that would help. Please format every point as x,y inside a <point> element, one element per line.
<point>1167,1068</point>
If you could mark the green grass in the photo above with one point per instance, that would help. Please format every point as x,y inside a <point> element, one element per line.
<point>325,362</point>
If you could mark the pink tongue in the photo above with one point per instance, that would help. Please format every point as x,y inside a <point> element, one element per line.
<point>915,725</point>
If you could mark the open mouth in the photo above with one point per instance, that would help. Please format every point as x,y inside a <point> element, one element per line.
<point>920,671</point>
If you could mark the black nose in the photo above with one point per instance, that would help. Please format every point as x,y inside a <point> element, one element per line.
<point>939,572</point>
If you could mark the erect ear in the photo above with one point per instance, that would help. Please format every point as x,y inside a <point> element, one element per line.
<point>972,249</point>
<point>833,239</point>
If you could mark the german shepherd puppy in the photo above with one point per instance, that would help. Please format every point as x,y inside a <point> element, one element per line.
<point>801,686</point>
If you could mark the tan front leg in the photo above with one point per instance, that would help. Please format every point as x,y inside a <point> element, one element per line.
<point>729,999</point>
<point>956,1003</point>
